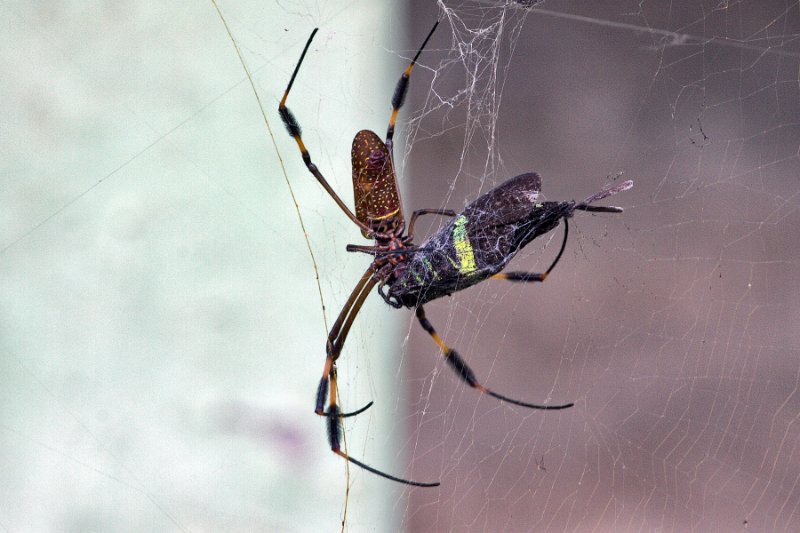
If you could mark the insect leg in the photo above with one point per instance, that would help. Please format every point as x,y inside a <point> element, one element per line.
<point>534,276</point>
<point>465,372</point>
<point>400,92</point>
<point>293,127</point>
<point>605,193</point>
<point>599,209</point>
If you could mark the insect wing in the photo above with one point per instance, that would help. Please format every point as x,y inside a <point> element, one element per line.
<point>375,190</point>
<point>508,203</point>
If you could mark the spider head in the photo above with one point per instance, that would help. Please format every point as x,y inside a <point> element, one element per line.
<point>376,160</point>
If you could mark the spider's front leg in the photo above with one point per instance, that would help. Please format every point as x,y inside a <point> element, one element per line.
<point>419,212</point>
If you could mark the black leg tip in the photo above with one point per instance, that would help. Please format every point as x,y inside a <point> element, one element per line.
<point>356,412</point>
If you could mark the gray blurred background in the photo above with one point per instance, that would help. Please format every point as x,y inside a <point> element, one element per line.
<point>161,331</point>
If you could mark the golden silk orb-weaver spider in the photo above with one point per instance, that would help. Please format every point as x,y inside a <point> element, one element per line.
<point>475,245</point>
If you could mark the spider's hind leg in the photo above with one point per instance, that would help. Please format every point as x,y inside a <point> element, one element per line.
<point>322,393</point>
<point>335,434</point>
<point>327,386</point>
<point>465,372</point>
<point>335,343</point>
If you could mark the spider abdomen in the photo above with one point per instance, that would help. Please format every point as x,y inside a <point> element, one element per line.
<point>375,190</point>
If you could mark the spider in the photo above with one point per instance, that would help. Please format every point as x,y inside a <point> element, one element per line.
<point>475,245</point>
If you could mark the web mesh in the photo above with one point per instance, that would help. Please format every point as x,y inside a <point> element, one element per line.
<point>670,325</point>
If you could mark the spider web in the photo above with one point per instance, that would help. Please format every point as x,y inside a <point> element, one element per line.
<point>162,334</point>
<point>670,325</point>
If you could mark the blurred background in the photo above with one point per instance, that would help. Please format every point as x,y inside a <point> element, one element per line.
<point>162,329</point>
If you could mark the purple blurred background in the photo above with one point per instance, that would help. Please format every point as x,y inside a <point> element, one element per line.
<point>673,326</point>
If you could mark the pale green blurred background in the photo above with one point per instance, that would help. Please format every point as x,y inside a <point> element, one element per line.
<point>162,336</point>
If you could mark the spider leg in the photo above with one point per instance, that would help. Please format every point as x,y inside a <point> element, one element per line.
<point>336,339</point>
<point>400,92</point>
<point>535,276</point>
<point>465,372</point>
<point>293,127</point>
<point>334,438</point>
<point>337,336</point>
<point>419,212</point>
